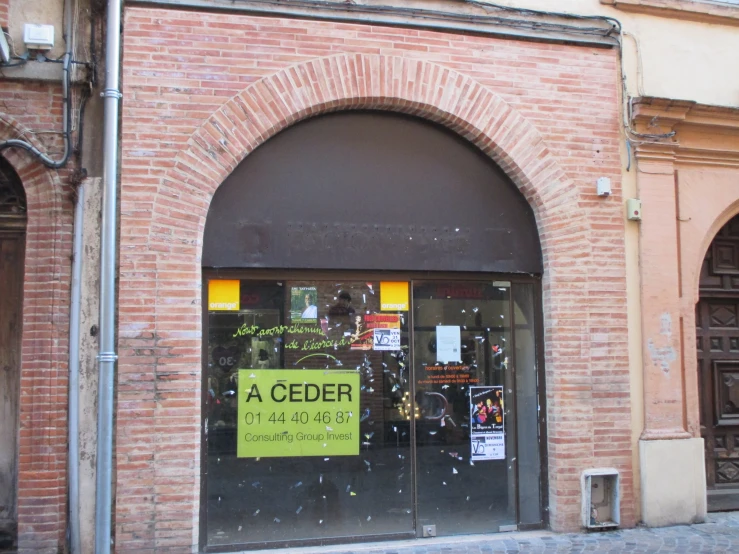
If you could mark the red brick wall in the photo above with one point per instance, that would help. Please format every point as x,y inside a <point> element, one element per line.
<point>36,107</point>
<point>203,90</point>
<point>42,486</point>
<point>4,11</point>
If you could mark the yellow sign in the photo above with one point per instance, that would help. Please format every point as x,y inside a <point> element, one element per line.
<point>393,296</point>
<point>224,295</point>
<point>297,412</point>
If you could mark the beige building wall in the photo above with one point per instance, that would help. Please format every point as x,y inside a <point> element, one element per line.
<point>686,53</point>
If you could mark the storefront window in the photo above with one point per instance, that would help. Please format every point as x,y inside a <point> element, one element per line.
<point>325,452</point>
<point>363,408</point>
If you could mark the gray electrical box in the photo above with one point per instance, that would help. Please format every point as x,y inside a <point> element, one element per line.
<point>601,498</point>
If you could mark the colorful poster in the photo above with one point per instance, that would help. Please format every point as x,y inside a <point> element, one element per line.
<point>487,435</point>
<point>386,339</point>
<point>297,412</point>
<point>303,305</point>
<point>448,344</point>
<point>364,336</point>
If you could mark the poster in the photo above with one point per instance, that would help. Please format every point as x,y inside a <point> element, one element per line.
<point>447,375</point>
<point>364,334</point>
<point>386,339</point>
<point>303,307</point>
<point>448,343</point>
<point>297,412</point>
<point>487,435</point>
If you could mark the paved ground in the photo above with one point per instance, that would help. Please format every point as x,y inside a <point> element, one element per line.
<point>720,534</point>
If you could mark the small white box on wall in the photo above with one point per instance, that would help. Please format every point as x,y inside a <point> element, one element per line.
<point>38,37</point>
<point>601,498</point>
<point>603,186</point>
<point>633,209</point>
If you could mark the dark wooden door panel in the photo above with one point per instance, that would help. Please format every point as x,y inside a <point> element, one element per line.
<point>11,277</point>
<point>717,327</point>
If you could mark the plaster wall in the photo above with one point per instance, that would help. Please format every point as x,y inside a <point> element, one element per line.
<point>688,187</point>
<point>633,311</point>
<point>663,503</point>
<point>708,199</point>
<point>89,321</point>
<point>682,59</point>
<point>44,12</point>
<point>14,14</point>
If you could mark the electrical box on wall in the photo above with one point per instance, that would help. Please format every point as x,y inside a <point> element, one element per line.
<point>4,49</point>
<point>601,499</point>
<point>38,37</point>
<point>633,209</point>
<point>603,186</point>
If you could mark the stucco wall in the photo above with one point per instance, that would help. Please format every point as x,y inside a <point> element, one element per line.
<point>43,12</point>
<point>682,59</point>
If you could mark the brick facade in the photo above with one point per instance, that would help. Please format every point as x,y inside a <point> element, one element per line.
<point>42,463</point>
<point>201,91</point>
<point>4,12</point>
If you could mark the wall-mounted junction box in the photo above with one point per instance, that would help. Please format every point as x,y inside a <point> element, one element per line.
<point>633,209</point>
<point>38,37</point>
<point>601,499</point>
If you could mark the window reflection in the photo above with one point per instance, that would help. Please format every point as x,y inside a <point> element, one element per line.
<point>309,325</point>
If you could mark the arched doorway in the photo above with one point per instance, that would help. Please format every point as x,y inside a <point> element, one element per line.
<point>717,329</point>
<point>388,266</point>
<point>12,248</point>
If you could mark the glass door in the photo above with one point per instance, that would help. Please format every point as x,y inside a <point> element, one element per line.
<point>465,432</point>
<point>340,409</point>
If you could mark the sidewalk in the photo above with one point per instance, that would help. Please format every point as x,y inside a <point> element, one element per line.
<point>720,534</point>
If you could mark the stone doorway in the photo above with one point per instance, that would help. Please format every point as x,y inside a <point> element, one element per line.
<point>12,250</point>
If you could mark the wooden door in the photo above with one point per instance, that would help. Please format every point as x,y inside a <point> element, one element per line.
<point>12,248</point>
<point>717,322</point>
<point>11,278</point>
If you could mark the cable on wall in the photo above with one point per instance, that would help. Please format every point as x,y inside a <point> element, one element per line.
<point>66,62</point>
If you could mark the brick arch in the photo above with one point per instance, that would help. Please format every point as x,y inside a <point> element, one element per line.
<point>40,186</point>
<point>345,82</point>
<point>44,346</point>
<point>160,330</point>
